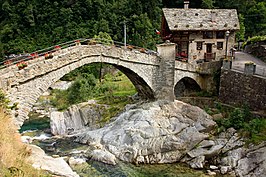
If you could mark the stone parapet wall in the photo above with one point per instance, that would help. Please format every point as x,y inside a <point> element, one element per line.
<point>238,89</point>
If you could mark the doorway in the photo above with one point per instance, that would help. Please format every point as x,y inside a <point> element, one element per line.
<point>208,48</point>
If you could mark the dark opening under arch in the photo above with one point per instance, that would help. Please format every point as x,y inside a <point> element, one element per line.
<point>143,89</point>
<point>185,87</point>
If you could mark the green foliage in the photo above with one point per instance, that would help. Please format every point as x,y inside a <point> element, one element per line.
<point>59,99</point>
<point>203,94</point>
<point>27,26</point>
<point>253,11</point>
<point>255,39</point>
<point>240,35</point>
<point>208,4</point>
<point>81,90</point>
<point>242,120</point>
<point>85,87</point>
<point>104,38</point>
<point>93,68</point>
<point>255,19</point>
<point>3,100</point>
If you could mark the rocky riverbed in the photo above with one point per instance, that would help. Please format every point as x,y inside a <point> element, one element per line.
<point>162,132</point>
<point>168,132</point>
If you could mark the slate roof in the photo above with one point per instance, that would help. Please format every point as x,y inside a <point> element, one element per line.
<point>201,19</point>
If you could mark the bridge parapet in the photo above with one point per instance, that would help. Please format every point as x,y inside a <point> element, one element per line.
<point>185,66</point>
<point>209,68</point>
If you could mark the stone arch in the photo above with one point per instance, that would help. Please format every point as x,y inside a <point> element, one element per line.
<point>27,93</point>
<point>186,86</point>
<point>143,89</point>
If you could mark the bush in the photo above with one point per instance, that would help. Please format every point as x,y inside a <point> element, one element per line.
<point>254,39</point>
<point>3,100</point>
<point>242,120</point>
<point>104,38</point>
<point>82,89</point>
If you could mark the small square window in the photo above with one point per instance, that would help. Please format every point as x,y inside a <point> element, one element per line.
<point>220,35</point>
<point>220,45</point>
<point>199,45</point>
<point>207,35</point>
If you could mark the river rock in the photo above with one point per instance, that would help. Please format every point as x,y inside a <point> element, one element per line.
<point>158,132</point>
<point>76,117</point>
<point>253,163</point>
<point>26,139</point>
<point>197,162</point>
<point>103,156</point>
<point>73,161</point>
<point>56,166</point>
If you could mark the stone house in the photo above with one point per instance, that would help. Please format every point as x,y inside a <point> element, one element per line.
<point>200,34</point>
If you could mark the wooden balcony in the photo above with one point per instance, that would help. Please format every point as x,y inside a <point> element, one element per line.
<point>209,56</point>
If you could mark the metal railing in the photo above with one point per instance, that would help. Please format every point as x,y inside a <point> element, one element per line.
<point>82,41</point>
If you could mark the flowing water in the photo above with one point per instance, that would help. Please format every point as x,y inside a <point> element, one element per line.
<point>39,129</point>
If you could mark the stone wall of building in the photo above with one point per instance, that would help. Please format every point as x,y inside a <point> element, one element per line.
<point>238,89</point>
<point>196,54</point>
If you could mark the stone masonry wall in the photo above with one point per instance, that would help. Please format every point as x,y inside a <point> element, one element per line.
<point>238,89</point>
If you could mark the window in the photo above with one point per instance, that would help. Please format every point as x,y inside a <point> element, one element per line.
<point>199,45</point>
<point>207,35</point>
<point>220,45</point>
<point>220,35</point>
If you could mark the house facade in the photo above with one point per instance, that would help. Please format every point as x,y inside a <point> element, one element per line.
<point>200,34</point>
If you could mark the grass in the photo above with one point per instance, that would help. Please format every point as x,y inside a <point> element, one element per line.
<point>116,105</point>
<point>13,153</point>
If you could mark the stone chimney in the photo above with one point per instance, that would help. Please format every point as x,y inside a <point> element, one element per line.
<point>213,16</point>
<point>186,3</point>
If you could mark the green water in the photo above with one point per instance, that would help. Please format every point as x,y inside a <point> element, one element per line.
<point>97,169</point>
<point>129,170</point>
<point>35,123</point>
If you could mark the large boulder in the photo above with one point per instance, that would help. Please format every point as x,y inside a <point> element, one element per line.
<point>56,166</point>
<point>76,117</point>
<point>158,132</point>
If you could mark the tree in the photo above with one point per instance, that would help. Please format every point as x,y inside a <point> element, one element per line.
<point>240,35</point>
<point>255,20</point>
<point>208,4</point>
<point>104,38</point>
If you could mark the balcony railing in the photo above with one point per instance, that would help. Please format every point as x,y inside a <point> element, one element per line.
<point>209,56</point>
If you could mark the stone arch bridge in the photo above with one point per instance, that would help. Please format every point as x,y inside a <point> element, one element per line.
<point>154,75</point>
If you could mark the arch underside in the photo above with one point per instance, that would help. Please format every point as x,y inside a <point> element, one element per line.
<point>185,87</point>
<point>143,89</point>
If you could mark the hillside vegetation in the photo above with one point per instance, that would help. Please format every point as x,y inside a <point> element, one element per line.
<point>27,26</point>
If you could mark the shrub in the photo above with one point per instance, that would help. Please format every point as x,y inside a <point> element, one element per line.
<point>82,89</point>
<point>3,100</point>
<point>254,39</point>
<point>242,120</point>
<point>104,38</point>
